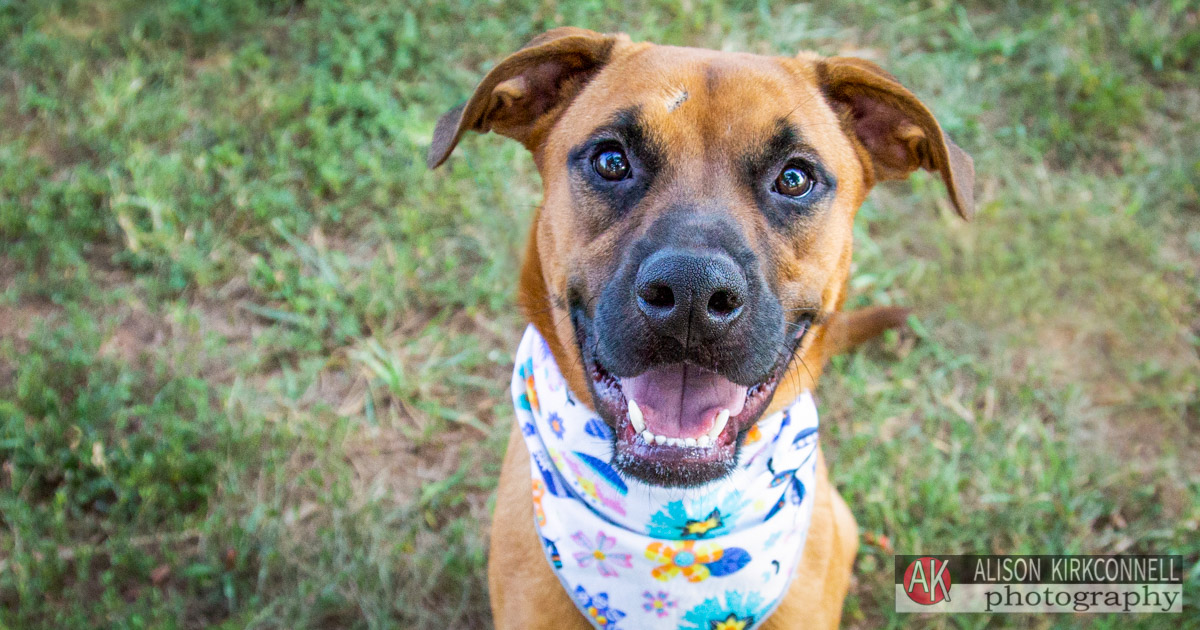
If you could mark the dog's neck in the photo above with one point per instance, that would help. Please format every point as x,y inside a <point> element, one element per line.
<point>694,555</point>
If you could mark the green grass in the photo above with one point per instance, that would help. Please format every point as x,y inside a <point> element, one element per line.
<point>254,356</point>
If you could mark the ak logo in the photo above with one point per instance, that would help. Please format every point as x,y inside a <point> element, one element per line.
<point>927,581</point>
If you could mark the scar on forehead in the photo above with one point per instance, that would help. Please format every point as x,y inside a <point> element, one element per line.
<point>675,99</point>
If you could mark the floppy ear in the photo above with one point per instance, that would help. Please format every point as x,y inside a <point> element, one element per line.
<point>895,128</point>
<point>523,95</point>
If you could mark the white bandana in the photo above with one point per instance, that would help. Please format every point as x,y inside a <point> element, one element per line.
<point>633,555</point>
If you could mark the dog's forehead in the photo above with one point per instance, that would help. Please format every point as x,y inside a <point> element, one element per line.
<point>692,96</point>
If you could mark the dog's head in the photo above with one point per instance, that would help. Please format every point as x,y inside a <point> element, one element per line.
<point>696,227</point>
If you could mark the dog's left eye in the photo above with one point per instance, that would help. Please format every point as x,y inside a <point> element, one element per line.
<point>794,181</point>
<point>611,164</point>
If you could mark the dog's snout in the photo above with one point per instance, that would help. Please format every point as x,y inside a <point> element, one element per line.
<point>689,289</point>
<point>690,296</point>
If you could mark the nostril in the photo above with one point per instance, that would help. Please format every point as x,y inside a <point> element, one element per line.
<point>658,296</point>
<point>724,303</point>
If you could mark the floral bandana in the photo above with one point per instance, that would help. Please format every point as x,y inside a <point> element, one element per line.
<point>634,555</point>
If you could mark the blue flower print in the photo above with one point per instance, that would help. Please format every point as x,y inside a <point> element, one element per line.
<point>597,609</point>
<point>556,424</point>
<point>739,612</point>
<point>699,519</point>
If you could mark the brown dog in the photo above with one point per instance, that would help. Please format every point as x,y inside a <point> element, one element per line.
<point>697,216</point>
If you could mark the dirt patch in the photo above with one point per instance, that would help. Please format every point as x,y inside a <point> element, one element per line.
<point>17,323</point>
<point>1139,419</point>
<point>137,333</point>
<point>384,459</point>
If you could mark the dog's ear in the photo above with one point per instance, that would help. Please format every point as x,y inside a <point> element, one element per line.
<point>523,95</point>
<point>896,129</point>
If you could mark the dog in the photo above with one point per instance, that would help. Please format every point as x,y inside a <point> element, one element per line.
<point>696,224</point>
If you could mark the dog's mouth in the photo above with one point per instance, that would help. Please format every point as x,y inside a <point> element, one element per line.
<point>680,424</point>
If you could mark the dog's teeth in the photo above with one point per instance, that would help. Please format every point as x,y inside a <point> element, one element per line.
<point>635,417</point>
<point>722,420</point>
<point>704,441</point>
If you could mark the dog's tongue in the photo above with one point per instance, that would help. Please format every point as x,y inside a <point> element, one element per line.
<point>683,400</point>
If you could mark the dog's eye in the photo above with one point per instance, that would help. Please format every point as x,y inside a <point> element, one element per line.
<point>611,164</point>
<point>794,181</point>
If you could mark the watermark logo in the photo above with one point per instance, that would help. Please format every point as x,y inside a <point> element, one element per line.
<point>927,581</point>
<point>1039,584</point>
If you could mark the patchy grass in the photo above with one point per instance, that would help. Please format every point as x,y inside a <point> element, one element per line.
<point>253,356</point>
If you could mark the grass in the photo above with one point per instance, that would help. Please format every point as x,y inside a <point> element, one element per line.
<point>254,356</point>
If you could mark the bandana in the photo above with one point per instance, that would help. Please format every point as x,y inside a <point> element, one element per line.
<point>633,555</point>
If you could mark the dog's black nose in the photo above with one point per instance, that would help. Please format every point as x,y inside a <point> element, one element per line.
<point>691,296</point>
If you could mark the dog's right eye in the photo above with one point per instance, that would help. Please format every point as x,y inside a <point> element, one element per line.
<point>611,164</point>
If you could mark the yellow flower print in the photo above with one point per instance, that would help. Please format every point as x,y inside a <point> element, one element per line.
<point>732,622</point>
<point>539,491</point>
<point>532,393</point>
<point>688,557</point>
<point>531,398</point>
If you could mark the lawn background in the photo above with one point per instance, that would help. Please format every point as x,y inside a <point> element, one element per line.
<point>254,356</point>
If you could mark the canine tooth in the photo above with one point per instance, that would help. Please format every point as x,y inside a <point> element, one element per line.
<point>635,416</point>
<point>722,420</point>
<point>660,439</point>
<point>647,437</point>
<point>690,442</point>
<point>704,441</point>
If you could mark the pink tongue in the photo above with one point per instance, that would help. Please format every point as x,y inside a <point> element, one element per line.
<point>683,400</point>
